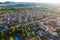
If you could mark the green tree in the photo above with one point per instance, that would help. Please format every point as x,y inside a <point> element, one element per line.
<point>38,37</point>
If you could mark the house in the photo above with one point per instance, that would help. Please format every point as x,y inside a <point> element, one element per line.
<point>58,23</point>
<point>46,20</point>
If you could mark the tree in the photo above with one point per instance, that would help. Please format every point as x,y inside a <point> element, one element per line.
<point>11,38</point>
<point>26,33</point>
<point>38,38</point>
<point>32,32</point>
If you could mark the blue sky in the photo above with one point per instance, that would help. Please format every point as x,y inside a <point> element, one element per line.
<point>38,1</point>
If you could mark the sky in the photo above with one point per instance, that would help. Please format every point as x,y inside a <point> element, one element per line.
<point>37,1</point>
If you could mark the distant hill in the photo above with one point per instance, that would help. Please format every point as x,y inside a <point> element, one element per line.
<point>17,3</point>
<point>36,6</point>
<point>5,5</point>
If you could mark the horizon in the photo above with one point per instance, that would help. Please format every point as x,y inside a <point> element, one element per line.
<point>34,1</point>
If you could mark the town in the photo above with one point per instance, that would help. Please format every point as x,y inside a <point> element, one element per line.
<point>29,24</point>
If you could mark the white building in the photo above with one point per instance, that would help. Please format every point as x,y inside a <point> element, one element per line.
<point>58,23</point>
